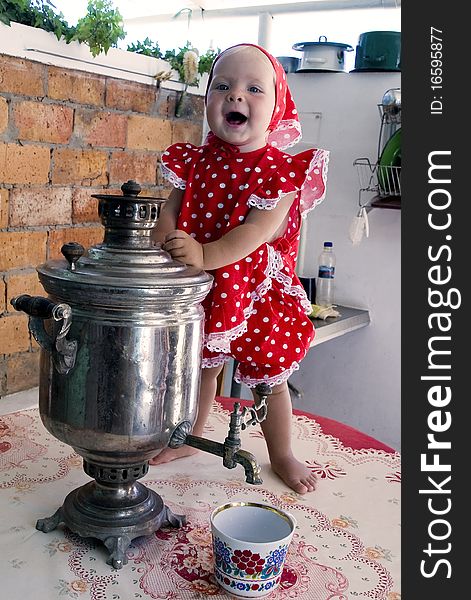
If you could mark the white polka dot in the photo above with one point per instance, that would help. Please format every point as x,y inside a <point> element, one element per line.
<point>247,169</point>
<point>269,354</point>
<point>236,286</point>
<point>292,174</point>
<point>265,319</point>
<point>249,358</point>
<point>220,205</point>
<point>233,176</point>
<point>209,215</point>
<point>218,324</point>
<point>248,259</point>
<point>222,185</point>
<point>259,180</point>
<point>223,295</point>
<point>282,359</point>
<point>225,275</point>
<point>239,349</point>
<point>234,319</point>
<point>214,175</point>
<point>193,216</point>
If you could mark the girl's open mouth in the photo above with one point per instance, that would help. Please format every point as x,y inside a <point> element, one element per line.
<point>235,118</point>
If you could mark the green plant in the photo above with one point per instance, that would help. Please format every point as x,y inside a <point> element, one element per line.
<point>206,61</point>
<point>101,28</point>
<point>147,47</point>
<point>35,13</point>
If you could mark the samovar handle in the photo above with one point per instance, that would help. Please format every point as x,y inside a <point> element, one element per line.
<point>38,308</point>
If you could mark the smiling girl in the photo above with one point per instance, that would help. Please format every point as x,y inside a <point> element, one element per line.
<point>236,212</point>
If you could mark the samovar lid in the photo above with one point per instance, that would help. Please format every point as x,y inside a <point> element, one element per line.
<point>128,266</point>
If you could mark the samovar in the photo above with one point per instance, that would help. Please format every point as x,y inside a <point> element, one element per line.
<point>121,335</point>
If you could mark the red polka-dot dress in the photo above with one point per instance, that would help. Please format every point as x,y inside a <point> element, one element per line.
<point>256,311</point>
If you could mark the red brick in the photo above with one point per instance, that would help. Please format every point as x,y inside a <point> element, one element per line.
<point>3,208</point>
<point>40,206</point>
<point>99,128</point>
<point>84,207</point>
<point>76,86</point>
<point>22,249</point>
<point>24,164</point>
<point>22,283</point>
<point>148,133</point>
<point>43,122</point>
<point>3,291</point>
<point>87,236</point>
<point>131,95</point>
<point>83,167</point>
<point>14,333</point>
<point>166,103</point>
<point>3,114</point>
<point>140,166</point>
<point>21,76</point>
<point>22,372</point>
<point>185,131</point>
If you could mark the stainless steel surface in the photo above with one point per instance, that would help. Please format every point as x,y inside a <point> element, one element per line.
<point>133,317</point>
<point>350,319</point>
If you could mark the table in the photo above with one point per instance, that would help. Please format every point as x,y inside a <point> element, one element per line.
<point>346,545</point>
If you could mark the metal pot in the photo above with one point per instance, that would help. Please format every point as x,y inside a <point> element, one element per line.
<point>378,51</point>
<point>322,55</point>
<point>121,336</point>
<point>289,63</point>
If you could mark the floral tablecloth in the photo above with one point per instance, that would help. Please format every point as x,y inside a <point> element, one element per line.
<point>346,545</point>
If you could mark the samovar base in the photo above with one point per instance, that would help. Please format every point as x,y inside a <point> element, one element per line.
<point>115,514</point>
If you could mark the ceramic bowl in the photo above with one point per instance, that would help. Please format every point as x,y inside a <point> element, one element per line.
<point>250,543</point>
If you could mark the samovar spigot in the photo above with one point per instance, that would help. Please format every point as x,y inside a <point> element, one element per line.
<point>230,450</point>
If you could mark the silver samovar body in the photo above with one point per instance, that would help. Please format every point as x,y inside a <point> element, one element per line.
<point>121,335</point>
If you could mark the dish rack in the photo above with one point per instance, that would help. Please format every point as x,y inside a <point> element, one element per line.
<point>384,181</point>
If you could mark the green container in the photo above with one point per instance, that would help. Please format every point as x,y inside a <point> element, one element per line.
<point>378,51</point>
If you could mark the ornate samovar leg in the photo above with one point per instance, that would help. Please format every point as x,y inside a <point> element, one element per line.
<point>114,508</point>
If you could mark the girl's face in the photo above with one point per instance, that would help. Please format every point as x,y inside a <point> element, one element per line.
<point>241,98</point>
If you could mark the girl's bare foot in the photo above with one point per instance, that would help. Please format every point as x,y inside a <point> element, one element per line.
<point>169,454</point>
<point>296,475</point>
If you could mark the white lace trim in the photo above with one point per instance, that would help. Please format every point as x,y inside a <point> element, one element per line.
<point>267,203</point>
<point>271,381</point>
<point>214,361</point>
<point>221,342</point>
<point>176,181</point>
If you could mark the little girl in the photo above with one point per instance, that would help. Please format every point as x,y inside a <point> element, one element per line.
<point>236,212</point>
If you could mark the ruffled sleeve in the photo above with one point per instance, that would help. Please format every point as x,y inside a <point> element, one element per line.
<point>177,160</point>
<point>305,172</point>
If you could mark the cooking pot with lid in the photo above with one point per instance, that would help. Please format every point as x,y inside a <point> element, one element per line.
<point>378,51</point>
<point>322,55</point>
<point>290,64</point>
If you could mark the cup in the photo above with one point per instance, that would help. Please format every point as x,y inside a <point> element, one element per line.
<point>250,543</point>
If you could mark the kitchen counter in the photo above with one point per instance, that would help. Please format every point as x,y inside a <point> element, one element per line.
<point>349,320</point>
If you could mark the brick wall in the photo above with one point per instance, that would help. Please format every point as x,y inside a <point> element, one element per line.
<point>64,135</point>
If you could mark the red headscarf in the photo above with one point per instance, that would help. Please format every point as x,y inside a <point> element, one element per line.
<point>284,128</point>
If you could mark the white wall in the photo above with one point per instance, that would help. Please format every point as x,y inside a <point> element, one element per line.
<point>355,378</point>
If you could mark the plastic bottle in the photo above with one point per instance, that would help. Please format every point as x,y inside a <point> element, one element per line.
<point>325,278</point>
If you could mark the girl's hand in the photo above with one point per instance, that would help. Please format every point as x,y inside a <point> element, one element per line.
<point>183,247</point>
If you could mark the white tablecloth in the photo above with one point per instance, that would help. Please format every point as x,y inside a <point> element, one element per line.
<point>347,543</point>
